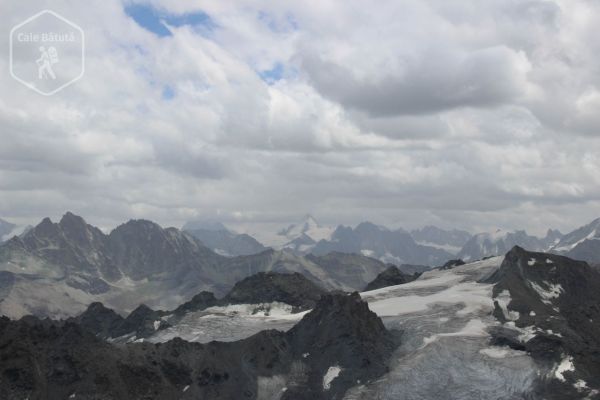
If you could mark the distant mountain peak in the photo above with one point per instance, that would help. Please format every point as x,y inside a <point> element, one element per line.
<point>6,229</point>
<point>309,219</point>
<point>306,224</point>
<point>206,225</point>
<point>308,230</point>
<point>70,217</point>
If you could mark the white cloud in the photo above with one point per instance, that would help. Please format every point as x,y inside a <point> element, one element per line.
<point>464,114</point>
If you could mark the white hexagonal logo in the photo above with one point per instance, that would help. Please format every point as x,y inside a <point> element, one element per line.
<point>47,52</point>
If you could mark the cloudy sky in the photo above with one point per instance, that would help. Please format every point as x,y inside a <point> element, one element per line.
<point>470,114</point>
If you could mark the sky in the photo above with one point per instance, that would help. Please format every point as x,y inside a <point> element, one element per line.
<point>469,114</point>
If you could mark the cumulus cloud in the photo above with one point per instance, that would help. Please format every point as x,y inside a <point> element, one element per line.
<point>468,114</point>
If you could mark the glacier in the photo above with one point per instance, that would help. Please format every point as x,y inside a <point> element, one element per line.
<point>445,350</point>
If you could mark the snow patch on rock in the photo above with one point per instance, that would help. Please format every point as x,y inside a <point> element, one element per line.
<point>552,292</point>
<point>565,365</point>
<point>330,375</point>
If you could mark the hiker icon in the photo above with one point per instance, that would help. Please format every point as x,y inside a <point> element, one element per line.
<point>47,59</point>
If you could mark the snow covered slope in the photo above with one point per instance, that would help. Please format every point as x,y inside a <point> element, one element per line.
<point>521,326</point>
<point>571,240</point>
<point>445,353</point>
<point>581,244</point>
<point>503,328</point>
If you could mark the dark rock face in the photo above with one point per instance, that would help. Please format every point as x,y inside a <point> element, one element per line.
<point>105,323</point>
<point>267,287</point>
<point>142,248</point>
<point>560,297</point>
<point>143,321</point>
<point>390,277</point>
<point>341,331</point>
<point>42,360</point>
<point>101,321</point>
<point>228,243</point>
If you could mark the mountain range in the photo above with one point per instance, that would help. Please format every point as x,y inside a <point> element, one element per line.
<point>522,325</point>
<point>450,240</point>
<point>497,243</point>
<point>429,246</point>
<point>57,269</point>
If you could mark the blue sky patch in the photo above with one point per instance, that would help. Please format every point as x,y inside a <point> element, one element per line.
<point>154,20</point>
<point>168,92</point>
<point>274,74</point>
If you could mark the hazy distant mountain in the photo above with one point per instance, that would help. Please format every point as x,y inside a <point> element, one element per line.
<point>449,240</point>
<point>499,242</point>
<point>332,271</point>
<point>309,227</point>
<point>581,244</point>
<point>227,243</point>
<point>223,241</point>
<point>205,225</point>
<point>5,228</point>
<point>393,246</point>
<point>57,269</point>
<point>8,230</point>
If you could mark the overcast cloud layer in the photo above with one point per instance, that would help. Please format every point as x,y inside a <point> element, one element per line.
<point>462,114</point>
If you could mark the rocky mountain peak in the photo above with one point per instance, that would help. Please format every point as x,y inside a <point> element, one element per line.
<point>99,319</point>
<point>46,229</point>
<point>267,287</point>
<point>345,313</point>
<point>556,299</point>
<point>342,333</point>
<point>199,302</point>
<point>390,277</point>
<point>71,220</point>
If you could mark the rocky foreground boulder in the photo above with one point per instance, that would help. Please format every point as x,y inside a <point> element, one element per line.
<point>337,344</point>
